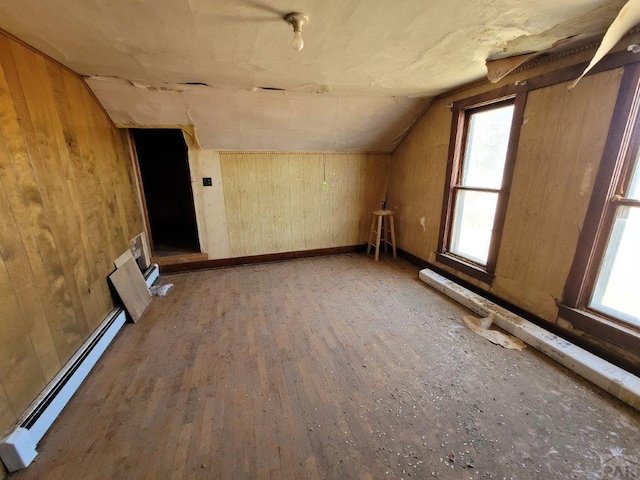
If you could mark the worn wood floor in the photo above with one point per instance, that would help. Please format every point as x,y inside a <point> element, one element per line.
<point>333,367</point>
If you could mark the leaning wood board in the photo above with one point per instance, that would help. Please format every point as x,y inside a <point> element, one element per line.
<point>124,258</point>
<point>130,285</point>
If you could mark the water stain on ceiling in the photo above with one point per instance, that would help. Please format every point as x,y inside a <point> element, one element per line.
<point>367,72</point>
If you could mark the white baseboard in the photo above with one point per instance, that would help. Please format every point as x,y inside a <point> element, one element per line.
<point>18,446</point>
<point>152,273</point>
<point>607,376</point>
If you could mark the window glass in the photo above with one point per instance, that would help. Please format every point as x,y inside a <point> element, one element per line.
<point>616,290</point>
<point>634,186</point>
<point>486,148</point>
<point>473,217</point>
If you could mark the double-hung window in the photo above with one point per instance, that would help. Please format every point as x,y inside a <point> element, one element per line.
<point>483,146</point>
<point>602,293</point>
<point>616,290</point>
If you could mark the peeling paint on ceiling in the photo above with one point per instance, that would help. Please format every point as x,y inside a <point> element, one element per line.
<point>263,119</point>
<point>366,73</point>
<point>580,28</point>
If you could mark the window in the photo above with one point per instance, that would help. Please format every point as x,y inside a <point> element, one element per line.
<point>601,295</point>
<point>616,286</point>
<point>483,142</point>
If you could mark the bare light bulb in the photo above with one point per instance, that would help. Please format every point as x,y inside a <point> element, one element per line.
<point>297,20</point>
<point>297,43</point>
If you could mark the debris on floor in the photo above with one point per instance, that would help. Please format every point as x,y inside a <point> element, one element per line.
<point>432,403</point>
<point>481,326</point>
<point>160,290</point>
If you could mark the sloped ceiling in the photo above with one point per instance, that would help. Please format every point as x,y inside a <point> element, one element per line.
<point>367,72</point>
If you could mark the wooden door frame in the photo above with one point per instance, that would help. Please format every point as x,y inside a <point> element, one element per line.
<point>140,185</point>
<point>141,196</point>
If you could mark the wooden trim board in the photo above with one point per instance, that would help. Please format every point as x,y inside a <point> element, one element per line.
<point>615,380</point>
<point>592,239</point>
<point>132,289</point>
<point>525,84</point>
<point>122,259</point>
<point>587,344</point>
<point>175,259</point>
<point>139,242</point>
<point>271,257</point>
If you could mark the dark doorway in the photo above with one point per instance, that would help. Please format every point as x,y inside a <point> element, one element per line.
<point>164,168</point>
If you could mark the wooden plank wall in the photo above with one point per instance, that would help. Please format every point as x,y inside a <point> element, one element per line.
<point>68,207</point>
<point>211,214</point>
<point>561,143</point>
<point>558,156</point>
<point>274,201</point>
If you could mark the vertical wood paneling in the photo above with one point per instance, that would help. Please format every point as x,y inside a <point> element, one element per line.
<point>6,416</point>
<point>211,213</point>
<point>16,261</point>
<point>416,181</point>
<point>376,174</point>
<point>274,201</point>
<point>21,373</point>
<point>68,207</point>
<point>560,146</point>
<point>558,156</point>
<point>50,177</point>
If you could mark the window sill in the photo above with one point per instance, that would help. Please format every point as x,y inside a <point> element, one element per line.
<point>623,336</point>
<point>467,268</point>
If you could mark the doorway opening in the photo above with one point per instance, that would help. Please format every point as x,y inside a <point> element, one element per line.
<point>166,182</point>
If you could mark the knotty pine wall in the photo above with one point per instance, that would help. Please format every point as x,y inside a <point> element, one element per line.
<point>68,207</point>
<point>561,144</point>
<point>274,201</point>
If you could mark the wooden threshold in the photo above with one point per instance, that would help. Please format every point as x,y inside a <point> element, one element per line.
<point>177,259</point>
<point>190,266</point>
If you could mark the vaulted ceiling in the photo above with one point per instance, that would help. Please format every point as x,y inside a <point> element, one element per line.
<point>365,75</point>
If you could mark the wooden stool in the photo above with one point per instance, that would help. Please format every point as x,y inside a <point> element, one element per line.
<point>384,220</point>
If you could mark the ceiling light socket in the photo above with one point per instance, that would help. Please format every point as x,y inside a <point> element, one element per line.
<point>297,20</point>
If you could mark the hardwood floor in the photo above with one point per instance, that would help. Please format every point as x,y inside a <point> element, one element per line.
<point>329,367</point>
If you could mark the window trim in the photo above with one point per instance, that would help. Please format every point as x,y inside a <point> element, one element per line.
<point>457,144</point>
<point>614,174</point>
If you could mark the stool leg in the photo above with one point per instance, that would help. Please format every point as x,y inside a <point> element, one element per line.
<point>393,237</point>
<point>378,238</point>
<point>373,227</point>
<point>385,228</point>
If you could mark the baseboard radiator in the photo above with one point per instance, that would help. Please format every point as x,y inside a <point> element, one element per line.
<point>18,446</point>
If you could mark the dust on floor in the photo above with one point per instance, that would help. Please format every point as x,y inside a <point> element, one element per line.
<point>335,367</point>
